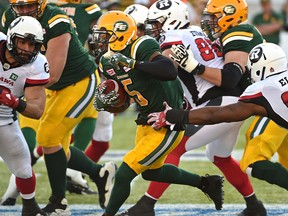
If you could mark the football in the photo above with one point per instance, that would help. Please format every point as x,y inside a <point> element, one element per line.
<point>118,88</point>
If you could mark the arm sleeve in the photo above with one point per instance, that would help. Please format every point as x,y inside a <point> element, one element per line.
<point>160,67</point>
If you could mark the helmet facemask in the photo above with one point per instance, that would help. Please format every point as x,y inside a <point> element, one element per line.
<point>153,28</point>
<point>39,5</point>
<point>209,25</point>
<point>24,56</point>
<point>100,40</point>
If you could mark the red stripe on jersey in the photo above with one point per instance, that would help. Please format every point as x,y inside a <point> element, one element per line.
<point>167,45</point>
<point>31,82</point>
<point>247,97</point>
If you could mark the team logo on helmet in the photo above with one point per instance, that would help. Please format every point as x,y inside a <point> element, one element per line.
<point>229,10</point>
<point>163,4</point>
<point>120,26</point>
<point>256,54</point>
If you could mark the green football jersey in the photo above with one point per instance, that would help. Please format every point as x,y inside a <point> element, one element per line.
<point>55,22</point>
<point>84,16</point>
<point>241,38</point>
<point>148,92</point>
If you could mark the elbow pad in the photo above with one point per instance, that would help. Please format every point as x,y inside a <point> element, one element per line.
<point>231,74</point>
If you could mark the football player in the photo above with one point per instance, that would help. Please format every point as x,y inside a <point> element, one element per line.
<point>168,22</point>
<point>70,93</point>
<point>23,72</point>
<point>145,75</point>
<point>266,97</point>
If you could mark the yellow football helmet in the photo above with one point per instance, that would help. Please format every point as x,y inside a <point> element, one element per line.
<point>115,29</point>
<point>41,5</point>
<point>220,15</point>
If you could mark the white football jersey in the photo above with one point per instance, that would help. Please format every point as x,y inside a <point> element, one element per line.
<point>204,52</point>
<point>17,78</point>
<point>271,93</point>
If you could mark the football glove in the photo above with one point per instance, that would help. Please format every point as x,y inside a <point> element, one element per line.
<point>102,101</point>
<point>185,59</point>
<point>8,99</point>
<point>120,59</point>
<point>158,119</point>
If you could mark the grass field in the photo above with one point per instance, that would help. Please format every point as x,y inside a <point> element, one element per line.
<point>124,131</point>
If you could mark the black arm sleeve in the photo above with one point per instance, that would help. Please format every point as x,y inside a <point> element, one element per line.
<point>175,116</point>
<point>231,75</point>
<point>161,67</point>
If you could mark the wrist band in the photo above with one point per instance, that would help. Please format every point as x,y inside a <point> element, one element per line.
<point>21,106</point>
<point>198,70</point>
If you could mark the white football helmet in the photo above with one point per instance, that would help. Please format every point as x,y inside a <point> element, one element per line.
<point>170,14</point>
<point>28,28</point>
<point>138,12</point>
<point>266,59</point>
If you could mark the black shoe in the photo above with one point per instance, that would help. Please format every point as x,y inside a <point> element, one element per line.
<point>257,210</point>
<point>104,182</point>
<point>143,207</point>
<point>57,206</point>
<point>71,187</point>
<point>214,189</point>
<point>31,208</point>
<point>8,202</point>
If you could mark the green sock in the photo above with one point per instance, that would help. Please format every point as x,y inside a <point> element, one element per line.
<point>172,174</point>
<point>30,137</point>
<point>83,133</point>
<point>273,173</point>
<point>121,188</point>
<point>56,165</point>
<point>79,161</point>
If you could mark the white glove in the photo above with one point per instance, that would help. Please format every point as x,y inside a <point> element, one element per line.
<point>184,57</point>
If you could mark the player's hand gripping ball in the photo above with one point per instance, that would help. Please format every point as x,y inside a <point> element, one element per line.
<point>109,93</point>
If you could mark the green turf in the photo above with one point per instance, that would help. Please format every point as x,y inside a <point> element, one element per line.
<point>123,138</point>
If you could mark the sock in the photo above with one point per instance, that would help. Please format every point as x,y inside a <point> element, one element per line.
<point>83,133</point>
<point>234,175</point>
<point>30,137</point>
<point>121,188</point>
<point>38,152</point>
<point>56,164</point>
<point>273,173</point>
<point>96,149</point>
<point>172,174</point>
<point>156,189</point>
<point>251,201</point>
<point>86,166</point>
<point>26,187</point>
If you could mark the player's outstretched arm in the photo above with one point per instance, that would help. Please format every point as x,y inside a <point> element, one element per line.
<point>207,115</point>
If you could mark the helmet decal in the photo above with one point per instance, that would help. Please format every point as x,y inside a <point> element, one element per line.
<point>121,26</point>
<point>256,54</point>
<point>229,10</point>
<point>163,4</point>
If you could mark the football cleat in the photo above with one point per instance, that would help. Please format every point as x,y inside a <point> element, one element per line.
<point>57,206</point>
<point>257,210</point>
<point>104,182</point>
<point>8,202</point>
<point>214,189</point>
<point>143,207</point>
<point>31,208</point>
<point>72,187</point>
<point>11,194</point>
